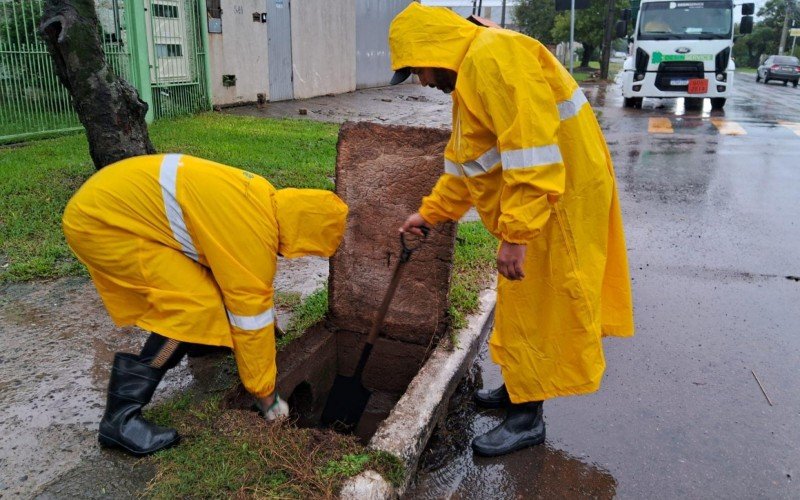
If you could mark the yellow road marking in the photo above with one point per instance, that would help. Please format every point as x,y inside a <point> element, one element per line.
<point>728,128</point>
<point>794,127</point>
<point>660,126</point>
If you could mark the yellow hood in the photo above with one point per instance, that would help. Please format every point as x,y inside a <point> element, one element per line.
<point>429,37</point>
<point>310,222</point>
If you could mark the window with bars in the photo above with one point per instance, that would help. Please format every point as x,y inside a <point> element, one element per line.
<point>167,11</point>
<point>169,50</point>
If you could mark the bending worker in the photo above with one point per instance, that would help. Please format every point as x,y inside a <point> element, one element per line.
<point>187,249</point>
<point>526,151</point>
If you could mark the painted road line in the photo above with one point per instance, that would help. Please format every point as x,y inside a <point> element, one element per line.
<point>660,126</point>
<point>794,127</point>
<point>726,127</point>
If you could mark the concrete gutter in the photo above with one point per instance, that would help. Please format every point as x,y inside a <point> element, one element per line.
<point>406,431</point>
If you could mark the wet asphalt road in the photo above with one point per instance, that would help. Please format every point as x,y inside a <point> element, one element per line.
<point>711,204</point>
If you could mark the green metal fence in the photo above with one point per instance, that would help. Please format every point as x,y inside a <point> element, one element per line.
<point>177,56</point>
<point>159,46</point>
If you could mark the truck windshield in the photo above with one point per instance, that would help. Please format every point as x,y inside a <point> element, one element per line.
<point>685,20</point>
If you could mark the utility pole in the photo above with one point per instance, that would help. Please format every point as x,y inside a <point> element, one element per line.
<point>503,16</point>
<point>785,30</point>
<point>571,34</point>
<point>608,34</point>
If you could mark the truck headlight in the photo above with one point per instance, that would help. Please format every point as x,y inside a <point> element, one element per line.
<point>721,77</point>
<point>638,76</point>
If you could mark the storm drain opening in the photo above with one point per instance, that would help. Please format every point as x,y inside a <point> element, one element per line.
<point>382,173</point>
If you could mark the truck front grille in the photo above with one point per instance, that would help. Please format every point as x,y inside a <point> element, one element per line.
<point>668,72</point>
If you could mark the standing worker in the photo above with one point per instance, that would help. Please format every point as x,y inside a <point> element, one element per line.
<point>527,152</point>
<point>187,249</point>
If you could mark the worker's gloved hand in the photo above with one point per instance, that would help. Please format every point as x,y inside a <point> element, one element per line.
<point>277,409</point>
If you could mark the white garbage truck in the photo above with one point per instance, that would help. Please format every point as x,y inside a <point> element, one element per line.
<point>681,49</point>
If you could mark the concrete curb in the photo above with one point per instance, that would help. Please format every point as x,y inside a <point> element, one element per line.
<point>406,431</point>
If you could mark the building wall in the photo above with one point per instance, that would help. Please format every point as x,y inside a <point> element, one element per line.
<point>373,64</point>
<point>323,47</point>
<point>240,50</point>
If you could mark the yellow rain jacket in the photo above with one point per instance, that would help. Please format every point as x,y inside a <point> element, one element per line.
<point>187,248</point>
<point>528,153</point>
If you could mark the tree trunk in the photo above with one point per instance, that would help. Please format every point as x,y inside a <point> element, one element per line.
<point>109,108</point>
<point>586,57</point>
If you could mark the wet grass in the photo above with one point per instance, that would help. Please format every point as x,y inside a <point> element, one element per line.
<point>236,453</point>
<point>473,270</point>
<point>38,178</point>
<point>304,314</point>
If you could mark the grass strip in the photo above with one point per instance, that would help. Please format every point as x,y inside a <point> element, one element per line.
<point>38,178</point>
<point>236,453</point>
<point>473,270</point>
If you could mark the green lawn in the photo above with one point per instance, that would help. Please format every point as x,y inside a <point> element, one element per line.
<point>37,178</point>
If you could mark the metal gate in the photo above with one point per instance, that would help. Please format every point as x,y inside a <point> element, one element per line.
<point>373,67</point>
<point>177,53</point>
<point>32,100</point>
<point>279,46</point>
<point>159,47</point>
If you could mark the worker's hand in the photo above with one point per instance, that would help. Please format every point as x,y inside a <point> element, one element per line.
<point>272,406</point>
<point>413,224</point>
<point>511,259</point>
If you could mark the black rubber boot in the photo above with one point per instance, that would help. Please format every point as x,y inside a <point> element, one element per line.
<point>130,388</point>
<point>523,427</point>
<point>492,398</point>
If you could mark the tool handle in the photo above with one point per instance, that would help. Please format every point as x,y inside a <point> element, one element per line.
<point>387,300</point>
<point>405,255</point>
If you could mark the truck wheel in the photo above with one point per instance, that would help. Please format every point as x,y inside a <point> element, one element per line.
<point>717,102</point>
<point>758,77</point>
<point>632,102</point>
<point>693,103</point>
<point>794,84</point>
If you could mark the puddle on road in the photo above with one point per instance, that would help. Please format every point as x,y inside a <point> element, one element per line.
<point>448,468</point>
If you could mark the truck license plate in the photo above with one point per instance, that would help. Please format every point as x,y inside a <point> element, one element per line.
<point>680,82</point>
<point>698,85</point>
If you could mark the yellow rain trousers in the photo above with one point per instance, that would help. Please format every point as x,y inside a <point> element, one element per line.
<point>528,153</point>
<point>187,248</point>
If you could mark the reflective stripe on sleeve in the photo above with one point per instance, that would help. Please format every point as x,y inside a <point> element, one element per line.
<point>168,177</point>
<point>483,163</point>
<point>451,168</point>
<point>531,157</point>
<point>256,322</point>
<point>569,108</point>
<point>478,166</point>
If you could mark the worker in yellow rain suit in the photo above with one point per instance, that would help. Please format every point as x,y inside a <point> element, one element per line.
<point>187,249</point>
<point>527,152</point>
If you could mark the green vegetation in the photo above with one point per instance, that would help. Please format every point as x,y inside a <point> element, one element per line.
<point>752,48</point>
<point>38,178</point>
<point>304,314</point>
<point>235,453</point>
<point>473,269</point>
